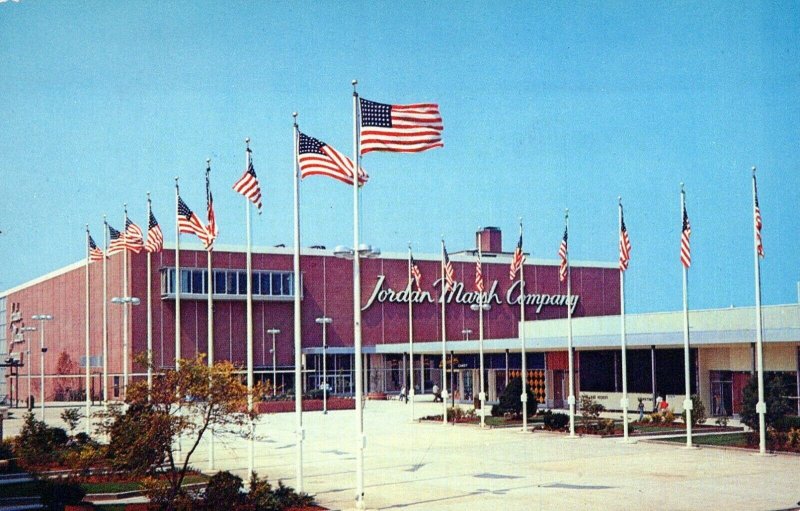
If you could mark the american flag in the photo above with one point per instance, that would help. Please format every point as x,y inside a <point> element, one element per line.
<point>449,273</point>
<point>416,275</point>
<point>563,252</point>
<point>400,128</point>
<point>479,276</point>
<point>155,238</point>
<point>189,223</point>
<point>624,243</point>
<point>95,254</point>
<point>133,237</point>
<point>116,241</point>
<point>686,232</point>
<point>517,260</point>
<point>757,220</point>
<point>211,228</point>
<point>316,158</point>
<point>248,186</point>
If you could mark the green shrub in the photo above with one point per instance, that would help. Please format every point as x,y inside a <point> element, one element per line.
<point>39,444</point>
<point>555,421</point>
<point>787,422</point>
<point>224,491</point>
<point>266,498</point>
<point>56,493</point>
<point>590,412</point>
<point>510,400</point>
<point>776,388</point>
<point>698,412</point>
<point>71,416</point>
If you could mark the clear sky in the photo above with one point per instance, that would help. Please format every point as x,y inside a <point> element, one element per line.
<point>546,105</point>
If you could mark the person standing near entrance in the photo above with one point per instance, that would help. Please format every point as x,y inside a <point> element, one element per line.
<point>657,407</point>
<point>641,410</point>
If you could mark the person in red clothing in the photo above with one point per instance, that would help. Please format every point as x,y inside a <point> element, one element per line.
<point>664,406</point>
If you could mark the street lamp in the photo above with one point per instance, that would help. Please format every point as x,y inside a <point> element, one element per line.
<point>124,301</point>
<point>466,333</point>
<point>27,358</point>
<point>273,332</point>
<point>324,321</point>
<point>41,318</point>
<point>480,307</point>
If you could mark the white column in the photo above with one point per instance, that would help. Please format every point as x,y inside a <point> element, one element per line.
<point>177,283</point>
<point>687,402</point>
<point>524,394</point>
<point>761,407</point>
<point>125,303</point>
<point>251,454</point>
<point>298,374</point>
<point>88,381</point>
<point>411,392</point>
<point>149,307</point>
<point>570,354</point>
<point>624,402</point>
<point>105,314</point>
<point>444,342</point>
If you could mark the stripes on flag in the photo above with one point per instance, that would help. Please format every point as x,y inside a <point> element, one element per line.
<point>248,185</point>
<point>563,253</point>
<point>624,243</point>
<point>189,223</point>
<point>212,230</point>
<point>449,273</point>
<point>416,274</point>
<point>134,242</point>
<point>517,260</point>
<point>400,128</point>
<point>116,241</point>
<point>95,253</point>
<point>757,220</point>
<point>155,238</point>
<point>686,232</point>
<point>316,158</point>
<point>479,276</point>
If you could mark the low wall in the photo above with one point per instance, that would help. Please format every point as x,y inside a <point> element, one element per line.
<point>309,405</point>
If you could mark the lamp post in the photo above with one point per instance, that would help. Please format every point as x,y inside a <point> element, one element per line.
<point>466,333</point>
<point>27,356</point>
<point>273,332</point>
<point>125,301</point>
<point>324,321</point>
<point>482,394</point>
<point>361,251</point>
<point>41,318</point>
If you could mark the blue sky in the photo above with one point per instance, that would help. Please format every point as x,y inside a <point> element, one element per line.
<point>545,106</point>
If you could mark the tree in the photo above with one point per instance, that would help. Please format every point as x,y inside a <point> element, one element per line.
<point>698,411</point>
<point>183,403</point>
<point>776,388</point>
<point>510,399</point>
<point>64,366</point>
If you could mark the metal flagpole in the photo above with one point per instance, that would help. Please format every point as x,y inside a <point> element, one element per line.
<point>105,314</point>
<point>360,437</point>
<point>88,348</point>
<point>524,376</point>
<point>761,406</point>
<point>444,342</point>
<point>210,317</point>
<point>125,306</point>
<point>624,401</point>
<point>570,354</point>
<point>149,306</point>
<point>411,392</point>
<point>177,281</point>
<point>251,456</point>
<point>687,402</point>
<point>481,394</point>
<point>298,375</point>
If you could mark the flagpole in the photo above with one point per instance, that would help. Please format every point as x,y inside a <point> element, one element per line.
<point>88,348</point>
<point>687,402</point>
<point>761,406</point>
<point>481,394</point>
<point>298,375</point>
<point>360,437</point>
<point>524,376</point>
<point>210,314</point>
<point>177,281</point>
<point>624,400</point>
<point>251,456</point>
<point>105,314</point>
<point>149,306</point>
<point>444,343</point>
<point>570,354</point>
<point>411,392</point>
<point>125,306</point>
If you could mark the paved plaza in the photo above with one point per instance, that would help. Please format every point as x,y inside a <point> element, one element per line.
<point>427,466</point>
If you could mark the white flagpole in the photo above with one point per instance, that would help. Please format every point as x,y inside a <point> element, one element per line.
<point>298,374</point>
<point>210,321</point>
<point>481,394</point>
<point>761,406</point>
<point>251,456</point>
<point>177,282</point>
<point>88,348</point>
<point>411,392</point>
<point>360,437</point>
<point>105,314</point>
<point>444,343</point>
<point>570,354</point>
<point>524,377</point>
<point>624,400</point>
<point>687,401</point>
<point>125,306</point>
<point>149,306</point>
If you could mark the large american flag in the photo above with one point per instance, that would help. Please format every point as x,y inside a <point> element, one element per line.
<point>189,223</point>
<point>116,241</point>
<point>400,128</point>
<point>757,220</point>
<point>449,273</point>
<point>211,228</point>
<point>248,185</point>
<point>624,243</point>
<point>316,158</point>
<point>95,254</point>
<point>133,237</point>
<point>479,276</point>
<point>517,260</point>
<point>155,238</point>
<point>686,232</point>
<point>563,253</point>
<point>416,274</point>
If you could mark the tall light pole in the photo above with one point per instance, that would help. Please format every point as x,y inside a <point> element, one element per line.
<point>41,318</point>
<point>324,321</point>
<point>480,307</point>
<point>28,356</point>
<point>466,333</point>
<point>273,332</point>
<point>125,301</point>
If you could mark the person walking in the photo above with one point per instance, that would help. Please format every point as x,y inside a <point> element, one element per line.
<point>641,410</point>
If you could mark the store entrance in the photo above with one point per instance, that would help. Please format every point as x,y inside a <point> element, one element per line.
<point>721,393</point>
